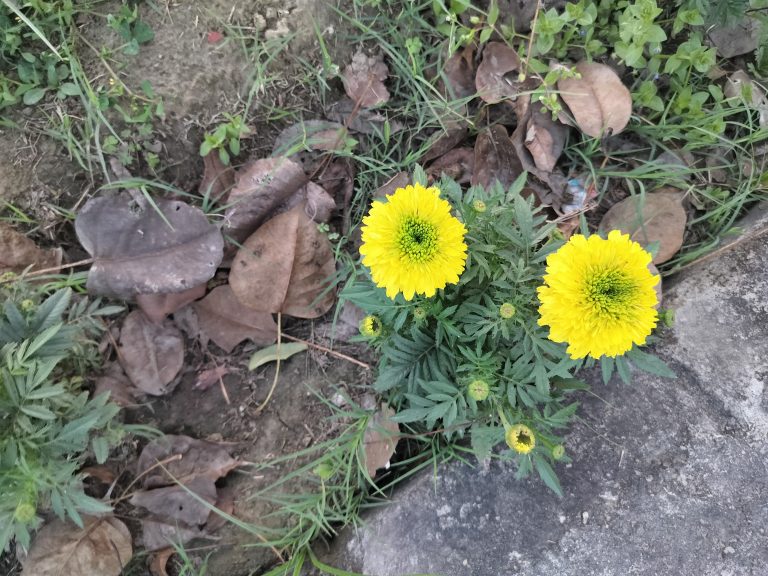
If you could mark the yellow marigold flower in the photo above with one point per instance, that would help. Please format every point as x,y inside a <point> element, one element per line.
<point>370,326</point>
<point>598,295</point>
<point>520,438</point>
<point>412,244</point>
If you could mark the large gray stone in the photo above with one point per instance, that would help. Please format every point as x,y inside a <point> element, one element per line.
<point>669,476</point>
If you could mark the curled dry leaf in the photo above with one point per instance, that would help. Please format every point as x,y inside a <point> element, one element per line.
<point>318,204</point>
<point>285,266</point>
<point>114,381</point>
<point>151,354</point>
<point>399,180</point>
<point>363,120</point>
<point>183,458</point>
<point>101,548</point>
<point>158,306</point>
<point>159,561</point>
<point>738,39</point>
<point>380,441</point>
<point>259,188</point>
<point>545,139</point>
<point>138,249</point>
<point>445,141</point>
<point>218,179</point>
<point>656,217</point>
<point>338,179</point>
<point>494,80</point>
<point>458,165</point>
<point>495,158</point>
<point>364,80</point>
<point>599,102</point>
<point>223,318</point>
<point>17,253</point>
<point>459,74</point>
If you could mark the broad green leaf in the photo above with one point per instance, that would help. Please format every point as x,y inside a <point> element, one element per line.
<point>274,353</point>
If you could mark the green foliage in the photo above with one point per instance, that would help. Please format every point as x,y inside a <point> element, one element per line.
<point>225,139</point>
<point>48,424</point>
<point>431,349</point>
<point>131,28</point>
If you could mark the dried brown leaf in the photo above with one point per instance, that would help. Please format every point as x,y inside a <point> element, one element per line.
<point>495,158</point>
<point>159,561</point>
<point>459,74</point>
<point>655,217</point>
<point>495,80</point>
<point>158,535</point>
<point>285,266</point>
<point>380,441</point>
<point>445,141</point>
<point>318,204</point>
<point>183,458</point>
<point>158,306</point>
<point>101,548</point>
<point>17,253</point>
<point>741,38</point>
<point>364,80</point>
<point>223,318</point>
<point>363,120</point>
<point>209,377</point>
<point>218,179</point>
<point>458,165</point>
<point>260,188</point>
<point>399,180</point>
<point>135,250</point>
<point>313,134</point>
<point>114,381</point>
<point>175,505</point>
<point>599,102</point>
<point>151,354</point>
<point>545,139</point>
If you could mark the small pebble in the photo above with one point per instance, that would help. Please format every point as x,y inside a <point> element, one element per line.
<point>584,518</point>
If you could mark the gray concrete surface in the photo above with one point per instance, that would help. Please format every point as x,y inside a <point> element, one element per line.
<point>669,477</point>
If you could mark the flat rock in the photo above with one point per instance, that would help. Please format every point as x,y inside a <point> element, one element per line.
<point>669,477</point>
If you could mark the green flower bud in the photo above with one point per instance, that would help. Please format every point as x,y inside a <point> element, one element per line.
<point>479,206</point>
<point>370,326</point>
<point>558,452</point>
<point>27,305</point>
<point>507,310</point>
<point>25,512</point>
<point>324,471</point>
<point>478,390</point>
<point>419,314</point>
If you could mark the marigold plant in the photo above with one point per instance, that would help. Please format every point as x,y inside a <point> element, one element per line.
<point>479,348</point>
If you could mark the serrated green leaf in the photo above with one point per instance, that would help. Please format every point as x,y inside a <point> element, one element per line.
<point>100,449</point>
<point>547,474</point>
<point>650,363</point>
<point>274,352</point>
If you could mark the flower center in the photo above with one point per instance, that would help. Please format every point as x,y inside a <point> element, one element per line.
<point>417,239</point>
<point>523,439</point>
<point>609,291</point>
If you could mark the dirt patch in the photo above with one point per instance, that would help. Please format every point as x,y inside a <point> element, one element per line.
<point>294,419</point>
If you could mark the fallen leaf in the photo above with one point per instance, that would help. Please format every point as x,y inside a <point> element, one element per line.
<point>600,104</point>
<point>101,472</point>
<point>658,216</point>
<point>318,204</point>
<point>135,250</point>
<point>458,79</point>
<point>458,165</point>
<point>17,253</point>
<point>399,180</point>
<point>259,189</point>
<point>217,180</point>
<point>114,381</point>
<point>159,561</point>
<point>495,80</point>
<point>445,141</point>
<point>741,38</point>
<point>183,459</point>
<point>338,179</point>
<point>274,353</point>
<point>545,139</point>
<point>223,318</point>
<point>495,158</point>
<point>101,548</point>
<point>151,354</point>
<point>380,440</point>
<point>740,85</point>
<point>285,266</point>
<point>175,505</point>
<point>209,377</point>
<point>361,120</point>
<point>158,535</point>
<point>158,306</point>
<point>364,80</point>
<point>226,504</point>
<point>319,135</point>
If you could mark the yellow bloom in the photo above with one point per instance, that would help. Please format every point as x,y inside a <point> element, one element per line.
<point>412,244</point>
<point>520,438</point>
<point>370,326</point>
<point>598,295</point>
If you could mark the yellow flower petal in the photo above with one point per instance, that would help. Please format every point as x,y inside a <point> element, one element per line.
<point>412,244</point>
<point>598,295</point>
